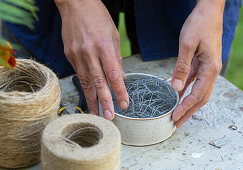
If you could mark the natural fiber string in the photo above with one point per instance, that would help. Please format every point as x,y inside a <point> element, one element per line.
<point>148,97</point>
<point>80,142</point>
<point>29,100</point>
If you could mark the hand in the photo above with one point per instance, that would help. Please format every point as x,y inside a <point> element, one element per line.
<point>199,58</point>
<point>92,46</point>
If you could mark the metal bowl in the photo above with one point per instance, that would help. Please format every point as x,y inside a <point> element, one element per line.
<point>145,131</point>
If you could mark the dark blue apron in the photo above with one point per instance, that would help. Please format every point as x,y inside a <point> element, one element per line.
<point>158,24</point>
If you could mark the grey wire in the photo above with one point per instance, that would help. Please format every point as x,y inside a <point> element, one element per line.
<point>148,97</point>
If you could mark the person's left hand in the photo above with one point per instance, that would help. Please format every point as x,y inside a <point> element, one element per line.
<point>200,48</point>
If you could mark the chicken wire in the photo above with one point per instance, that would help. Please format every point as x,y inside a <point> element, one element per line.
<point>148,97</point>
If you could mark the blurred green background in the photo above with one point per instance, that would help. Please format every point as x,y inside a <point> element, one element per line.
<point>235,69</point>
<point>125,43</point>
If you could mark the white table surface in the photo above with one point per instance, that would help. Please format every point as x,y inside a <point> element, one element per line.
<point>206,141</point>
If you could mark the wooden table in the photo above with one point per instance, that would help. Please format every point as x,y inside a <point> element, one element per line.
<point>211,139</point>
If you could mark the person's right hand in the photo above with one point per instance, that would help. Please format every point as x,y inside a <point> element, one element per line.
<point>92,46</point>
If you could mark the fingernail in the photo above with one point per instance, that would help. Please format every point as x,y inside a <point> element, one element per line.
<point>108,115</point>
<point>177,85</point>
<point>123,105</point>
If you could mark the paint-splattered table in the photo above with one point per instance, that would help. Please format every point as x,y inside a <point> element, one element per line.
<point>211,139</point>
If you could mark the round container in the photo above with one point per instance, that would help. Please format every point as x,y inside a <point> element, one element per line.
<point>145,131</point>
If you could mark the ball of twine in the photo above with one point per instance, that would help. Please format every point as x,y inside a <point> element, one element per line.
<point>29,100</point>
<point>80,142</point>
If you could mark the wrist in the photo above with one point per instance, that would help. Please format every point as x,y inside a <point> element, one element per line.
<point>216,5</point>
<point>65,6</point>
<point>60,3</point>
<point>213,2</point>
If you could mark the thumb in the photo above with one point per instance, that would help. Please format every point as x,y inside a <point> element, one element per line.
<point>183,64</point>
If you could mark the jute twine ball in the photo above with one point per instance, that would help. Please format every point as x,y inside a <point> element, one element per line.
<point>29,100</point>
<point>80,142</point>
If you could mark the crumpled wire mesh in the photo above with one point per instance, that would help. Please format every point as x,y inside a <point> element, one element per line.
<point>148,97</point>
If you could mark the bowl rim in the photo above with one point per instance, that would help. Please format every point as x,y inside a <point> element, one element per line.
<point>152,118</point>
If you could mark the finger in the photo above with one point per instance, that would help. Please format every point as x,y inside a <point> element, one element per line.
<point>77,61</point>
<point>113,74</point>
<point>195,108</point>
<point>69,55</point>
<point>102,88</point>
<point>116,42</point>
<point>198,91</point>
<point>182,67</point>
<point>191,77</point>
<point>88,88</point>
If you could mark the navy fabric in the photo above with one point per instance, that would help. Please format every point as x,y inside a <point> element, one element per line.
<point>46,40</point>
<point>160,21</point>
<point>158,24</point>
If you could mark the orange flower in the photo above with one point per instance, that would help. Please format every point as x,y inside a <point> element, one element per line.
<point>6,57</point>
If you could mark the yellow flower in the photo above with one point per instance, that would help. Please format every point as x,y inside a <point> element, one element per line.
<point>6,57</point>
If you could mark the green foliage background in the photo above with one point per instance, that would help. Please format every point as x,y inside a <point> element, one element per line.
<point>125,43</point>
<point>235,69</point>
<point>19,12</point>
